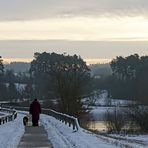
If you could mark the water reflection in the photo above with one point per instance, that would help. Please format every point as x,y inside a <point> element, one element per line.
<point>97,125</point>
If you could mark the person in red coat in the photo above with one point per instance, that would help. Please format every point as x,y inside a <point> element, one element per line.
<point>35,110</point>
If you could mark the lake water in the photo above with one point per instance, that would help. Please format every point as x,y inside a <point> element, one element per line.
<point>96,120</point>
<point>97,125</point>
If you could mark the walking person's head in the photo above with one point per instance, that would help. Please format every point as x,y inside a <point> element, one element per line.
<point>35,100</point>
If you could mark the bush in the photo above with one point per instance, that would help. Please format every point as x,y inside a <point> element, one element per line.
<point>139,115</point>
<point>115,120</point>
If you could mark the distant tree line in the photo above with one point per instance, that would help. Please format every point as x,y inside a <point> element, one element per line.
<point>8,81</point>
<point>66,79</point>
<point>129,79</point>
<point>2,87</point>
<point>18,67</point>
<point>100,70</point>
<point>9,90</point>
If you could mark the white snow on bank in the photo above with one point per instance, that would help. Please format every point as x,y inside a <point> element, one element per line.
<point>101,98</point>
<point>141,139</point>
<point>20,87</point>
<point>11,133</point>
<point>103,103</point>
<point>61,136</point>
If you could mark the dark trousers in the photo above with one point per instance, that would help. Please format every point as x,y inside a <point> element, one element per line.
<point>35,122</point>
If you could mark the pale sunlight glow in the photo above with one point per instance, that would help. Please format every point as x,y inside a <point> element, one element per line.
<point>88,61</point>
<point>97,61</point>
<point>8,60</point>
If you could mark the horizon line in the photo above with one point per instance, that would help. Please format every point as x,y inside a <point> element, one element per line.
<point>70,40</point>
<point>87,60</point>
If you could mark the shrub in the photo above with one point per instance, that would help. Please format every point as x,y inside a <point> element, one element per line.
<point>139,115</point>
<point>115,120</point>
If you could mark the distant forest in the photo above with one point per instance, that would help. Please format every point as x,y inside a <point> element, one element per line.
<point>69,79</point>
<point>100,70</point>
<point>18,67</point>
<point>129,79</point>
<point>97,70</point>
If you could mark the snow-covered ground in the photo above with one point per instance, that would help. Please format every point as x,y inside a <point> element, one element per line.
<point>3,114</point>
<point>143,137</point>
<point>61,136</point>
<point>20,87</point>
<point>135,141</point>
<point>102,99</point>
<point>11,132</point>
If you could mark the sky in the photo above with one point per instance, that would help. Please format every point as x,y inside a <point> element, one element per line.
<point>97,30</point>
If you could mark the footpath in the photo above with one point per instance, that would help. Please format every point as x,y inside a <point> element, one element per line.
<point>34,137</point>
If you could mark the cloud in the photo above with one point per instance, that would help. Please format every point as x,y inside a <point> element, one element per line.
<point>43,9</point>
<point>78,29</point>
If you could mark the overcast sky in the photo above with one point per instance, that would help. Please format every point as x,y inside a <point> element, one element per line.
<point>44,9</point>
<point>92,28</point>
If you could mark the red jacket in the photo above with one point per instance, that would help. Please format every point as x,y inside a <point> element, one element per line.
<point>35,109</point>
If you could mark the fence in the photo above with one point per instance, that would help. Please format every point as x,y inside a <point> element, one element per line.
<point>66,119</point>
<point>7,118</point>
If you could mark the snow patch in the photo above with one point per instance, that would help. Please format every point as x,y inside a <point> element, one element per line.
<point>11,133</point>
<point>62,136</point>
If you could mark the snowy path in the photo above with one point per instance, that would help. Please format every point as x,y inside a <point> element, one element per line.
<point>61,136</point>
<point>34,137</point>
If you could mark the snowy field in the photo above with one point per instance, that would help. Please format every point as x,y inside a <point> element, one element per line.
<point>11,132</point>
<point>102,99</point>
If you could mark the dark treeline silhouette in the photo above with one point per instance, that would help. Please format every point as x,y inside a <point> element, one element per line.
<point>8,82</point>
<point>2,86</point>
<point>129,79</point>
<point>20,77</point>
<point>18,67</point>
<point>65,80</point>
